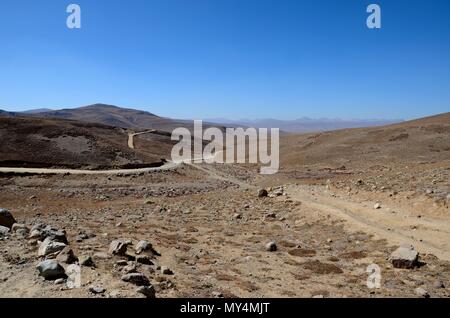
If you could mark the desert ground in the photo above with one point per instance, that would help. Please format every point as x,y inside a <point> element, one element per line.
<point>342,201</point>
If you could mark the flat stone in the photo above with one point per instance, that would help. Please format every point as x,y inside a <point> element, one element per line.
<point>97,290</point>
<point>405,256</point>
<point>137,279</point>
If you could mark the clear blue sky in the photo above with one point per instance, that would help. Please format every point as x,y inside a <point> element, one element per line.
<point>229,58</point>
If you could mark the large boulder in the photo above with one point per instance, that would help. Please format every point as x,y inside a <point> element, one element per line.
<point>49,247</point>
<point>51,270</point>
<point>6,218</point>
<point>405,256</point>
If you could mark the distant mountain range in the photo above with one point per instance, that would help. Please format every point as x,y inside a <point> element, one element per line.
<point>137,119</point>
<point>305,124</point>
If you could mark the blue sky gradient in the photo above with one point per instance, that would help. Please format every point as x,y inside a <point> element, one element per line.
<point>229,58</point>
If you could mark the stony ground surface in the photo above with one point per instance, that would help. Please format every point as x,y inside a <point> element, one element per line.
<point>210,232</point>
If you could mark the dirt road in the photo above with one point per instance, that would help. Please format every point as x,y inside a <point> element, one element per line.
<point>426,234</point>
<point>132,135</point>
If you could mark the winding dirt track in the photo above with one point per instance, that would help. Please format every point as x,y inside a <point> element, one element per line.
<point>132,135</point>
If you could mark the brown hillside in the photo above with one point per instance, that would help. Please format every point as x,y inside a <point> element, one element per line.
<point>39,142</point>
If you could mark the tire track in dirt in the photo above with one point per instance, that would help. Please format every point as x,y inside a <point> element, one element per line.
<point>432,236</point>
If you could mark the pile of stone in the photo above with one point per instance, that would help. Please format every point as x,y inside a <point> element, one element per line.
<point>144,254</point>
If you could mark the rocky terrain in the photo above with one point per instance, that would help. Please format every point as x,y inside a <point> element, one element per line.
<point>324,226</point>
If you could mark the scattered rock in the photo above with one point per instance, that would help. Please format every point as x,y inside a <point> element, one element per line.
<point>81,237</point>
<point>97,290</point>
<point>377,206</point>
<point>143,259</point>
<point>271,247</point>
<point>51,270</point>
<point>67,256</point>
<point>118,247</point>
<point>6,218</point>
<point>405,256</point>
<point>35,235</point>
<point>17,226</point>
<point>271,215</point>
<point>49,247</point>
<point>147,291</point>
<point>122,262</point>
<point>421,292</point>
<point>102,255</point>
<point>137,279</point>
<point>237,216</point>
<point>262,193</point>
<point>42,232</point>
<point>4,231</point>
<point>217,294</point>
<point>86,261</point>
<point>142,246</point>
<point>130,268</point>
<point>59,281</point>
<point>166,271</point>
<point>439,284</point>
